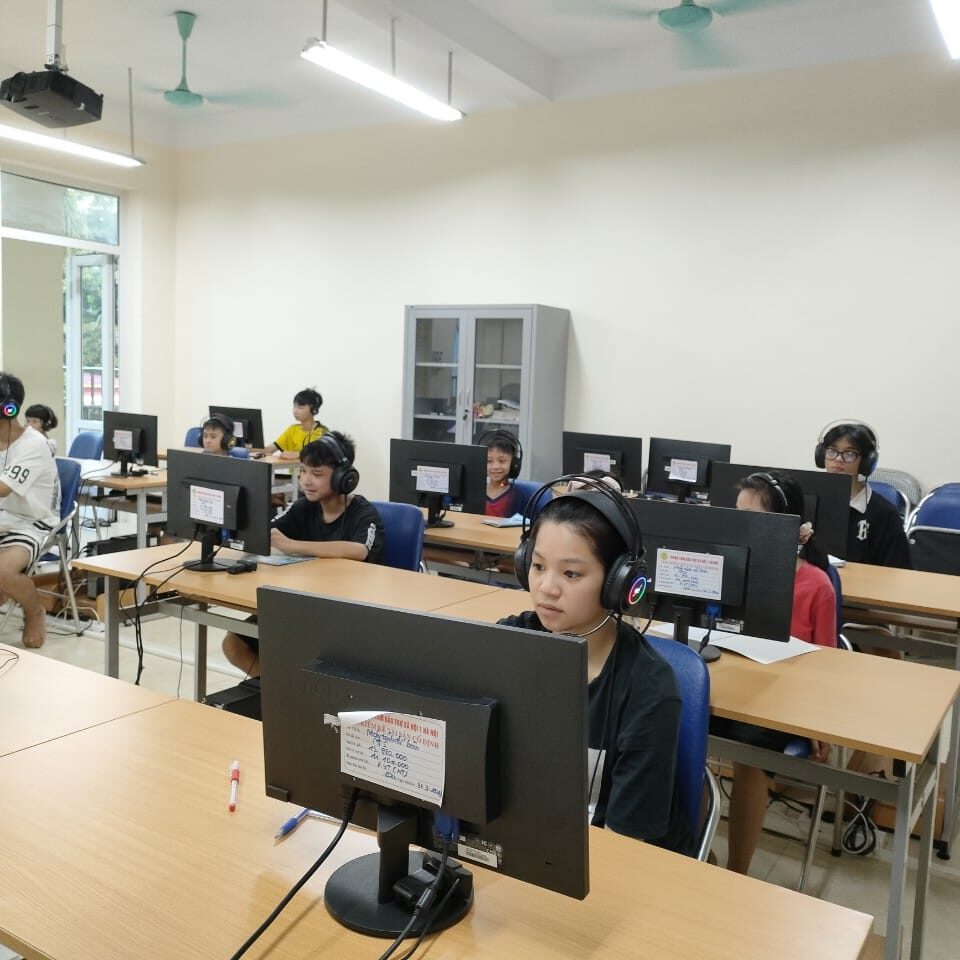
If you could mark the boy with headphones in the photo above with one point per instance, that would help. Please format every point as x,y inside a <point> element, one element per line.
<point>329,520</point>
<point>216,435</point>
<point>875,534</point>
<point>504,459</point>
<point>29,506</point>
<point>306,406</point>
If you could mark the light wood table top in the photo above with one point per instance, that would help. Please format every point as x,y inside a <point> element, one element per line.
<point>150,481</point>
<point>469,530</point>
<point>912,591</point>
<point>42,699</point>
<point>346,579</point>
<point>145,861</point>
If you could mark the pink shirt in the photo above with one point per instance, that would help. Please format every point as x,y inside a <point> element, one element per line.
<point>814,607</point>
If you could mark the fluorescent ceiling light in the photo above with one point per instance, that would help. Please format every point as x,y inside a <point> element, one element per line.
<point>947,13</point>
<point>67,146</point>
<point>322,54</point>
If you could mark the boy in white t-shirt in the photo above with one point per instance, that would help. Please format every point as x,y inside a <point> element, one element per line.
<point>29,506</point>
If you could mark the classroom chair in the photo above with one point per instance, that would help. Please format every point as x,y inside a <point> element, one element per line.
<point>699,790</point>
<point>192,437</point>
<point>526,489</point>
<point>933,531</point>
<point>403,527</point>
<point>900,480</point>
<point>894,496</point>
<point>56,546</point>
<point>87,445</point>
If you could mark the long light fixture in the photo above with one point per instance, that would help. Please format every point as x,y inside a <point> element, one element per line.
<point>330,58</point>
<point>947,13</point>
<point>66,146</point>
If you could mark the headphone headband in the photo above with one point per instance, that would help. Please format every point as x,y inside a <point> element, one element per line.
<point>345,477</point>
<point>772,481</point>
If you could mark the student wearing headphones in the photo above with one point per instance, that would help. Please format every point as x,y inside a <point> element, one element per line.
<point>504,459</point>
<point>29,506</point>
<point>814,619</point>
<point>216,435</point>
<point>329,520</point>
<point>875,534</point>
<point>306,406</point>
<point>582,563</point>
<point>43,419</point>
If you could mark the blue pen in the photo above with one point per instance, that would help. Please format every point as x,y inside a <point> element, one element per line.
<point>290,825</point>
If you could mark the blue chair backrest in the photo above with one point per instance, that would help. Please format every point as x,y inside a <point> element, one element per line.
<point>239,452</point>
<point>69,471</point>
<point>403,527</point>
<point>939,508</point>
<point>891,494</point>
<point>525,490</point>
<point>834,576</point>
<point>693,680</point>
<point>192,437</point>
<point>87,445</point>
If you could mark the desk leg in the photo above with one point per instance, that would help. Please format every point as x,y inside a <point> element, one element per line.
<point>924,854</point>
<point>111,626</point>
<point>953,760</point>
<point>898,865</point>
<point>141,519</point>
<point>200,659</point>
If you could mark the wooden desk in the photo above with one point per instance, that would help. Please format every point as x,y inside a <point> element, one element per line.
<point>469,530</point>
<point>346,579</point>
<point>42,699</point>
<point>139,486</point>
<point>146,862</point>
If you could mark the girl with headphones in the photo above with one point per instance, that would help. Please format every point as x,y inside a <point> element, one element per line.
<point>306,406</point>
<point>814,620</point>
<point>43,419</point>
<point>504,459</point>
<point>582,563</point>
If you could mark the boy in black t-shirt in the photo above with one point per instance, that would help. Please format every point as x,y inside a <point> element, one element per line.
<point>329,520</point>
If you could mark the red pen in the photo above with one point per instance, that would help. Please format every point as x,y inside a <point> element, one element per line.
<point>234,784</point>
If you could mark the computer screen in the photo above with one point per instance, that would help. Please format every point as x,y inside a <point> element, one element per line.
<point>620,456</point>
<point>425,714</point>
<point>826,499</point>
<point>247,424</point>
<point>716,567</point>
<point>221,500</point>
<point>436,475</point>
<point>129,438</point>
<point>679,469</point>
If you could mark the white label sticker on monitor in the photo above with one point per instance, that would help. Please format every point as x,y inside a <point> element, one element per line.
<point>123,440</point>
<point>682,470</point>
<point>597,461</point>
<point>433,479</point>
<point>206,505</point>
<point>687,574</point>
<point>238,429</point>
<point>401,751</point>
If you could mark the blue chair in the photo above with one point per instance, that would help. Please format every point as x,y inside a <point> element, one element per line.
<point>893,496</point>
<point>403,527</point>
<point>525,490</point>
<point>87,445</point>
<point>239,452</point>
<point>192,437</point>
<point>933,531</point>
<point>699,791</point>
<point>68,472</point>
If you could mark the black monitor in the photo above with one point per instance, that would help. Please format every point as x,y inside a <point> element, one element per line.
<point>434,475</point>
<point>826,498</point>
<point>247,424</point>
<point>622,457</point>
<point>680,469</point>
<point>514,706</point>
<point>129,438</point>
<point>221,500</point>
<point>719,568</point>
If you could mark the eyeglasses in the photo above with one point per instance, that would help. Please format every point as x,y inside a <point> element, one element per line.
<point>847,456</point>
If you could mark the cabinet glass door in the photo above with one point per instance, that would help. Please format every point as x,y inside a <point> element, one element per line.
<point>497,367</point>
<point>436,378</point>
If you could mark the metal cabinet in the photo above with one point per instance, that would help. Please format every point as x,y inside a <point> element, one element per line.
<point>472,369</point>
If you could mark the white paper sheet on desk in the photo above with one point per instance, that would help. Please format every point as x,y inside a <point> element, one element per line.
<point>515,521</point>
<point>282,559</point>
<point>753,648</point>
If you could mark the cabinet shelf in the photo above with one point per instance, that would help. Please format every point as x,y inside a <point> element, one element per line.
<point>434,416</point>
<point>431,363</point>
<point>498,366</point>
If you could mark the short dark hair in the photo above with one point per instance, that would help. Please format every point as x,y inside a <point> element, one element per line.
<point>605,542</point>
<point>11,387</point>
<point>43,413</point>
<point>857,434</point>
<point>324,452</point>
<point>309,397</point>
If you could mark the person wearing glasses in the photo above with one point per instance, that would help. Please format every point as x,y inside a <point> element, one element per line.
<point>875,534</point>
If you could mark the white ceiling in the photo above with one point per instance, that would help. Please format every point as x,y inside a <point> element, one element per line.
<point>506,53</point>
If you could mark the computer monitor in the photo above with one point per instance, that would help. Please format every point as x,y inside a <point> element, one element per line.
<point>484,723</point>
<point>247,424</point>
<point>129,438</point>
<point>680,469</point>
<point>826,499</point>
<point>221,500</point>
<point>620,456</point>
<point>716,567</point>
<point>434,475</point>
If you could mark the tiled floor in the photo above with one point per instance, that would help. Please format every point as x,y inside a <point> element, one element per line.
<point>857,882</point>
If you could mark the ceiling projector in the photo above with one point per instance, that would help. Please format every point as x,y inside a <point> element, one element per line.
<point>52,98</point>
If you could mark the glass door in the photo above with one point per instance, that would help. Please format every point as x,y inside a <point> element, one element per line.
<point>438,388</point>
<point>497,374</point>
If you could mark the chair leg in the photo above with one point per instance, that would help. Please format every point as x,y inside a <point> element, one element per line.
<point>815,818</point>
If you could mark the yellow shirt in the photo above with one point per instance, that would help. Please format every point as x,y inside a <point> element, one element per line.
<point>296,438</point>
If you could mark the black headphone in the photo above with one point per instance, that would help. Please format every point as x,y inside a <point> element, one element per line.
<point>9,408</point>
<point>507,439</point>
<point>865,438</point>
<point>771,481</point>
<point>314,402</point>
<point>345,477</point>
<point>227,441</point>
<point>41,412</point>
<point>626,580</point>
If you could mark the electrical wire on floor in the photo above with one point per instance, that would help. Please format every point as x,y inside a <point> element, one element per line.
<point>10,659</point>
<point>860,835</point>
<point>347,817</point>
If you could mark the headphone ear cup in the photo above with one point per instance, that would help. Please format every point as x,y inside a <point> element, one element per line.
<point>345,479</point>
<point>521,563</point>
<point>618,587</point>
<point>516,461</point>
<point>820,456</point>
<point>869,463</point>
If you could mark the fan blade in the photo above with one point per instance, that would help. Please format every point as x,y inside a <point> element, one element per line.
<point>731,8</point>
<point>251,98</point>
<point>605,9</point>
<point>702,51</point>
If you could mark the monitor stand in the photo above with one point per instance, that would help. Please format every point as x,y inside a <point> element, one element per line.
<point>682,618</point>
<point>123,458</point>
<point>361,896</point>
<point>435,511</point>
<point>206,563</point>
